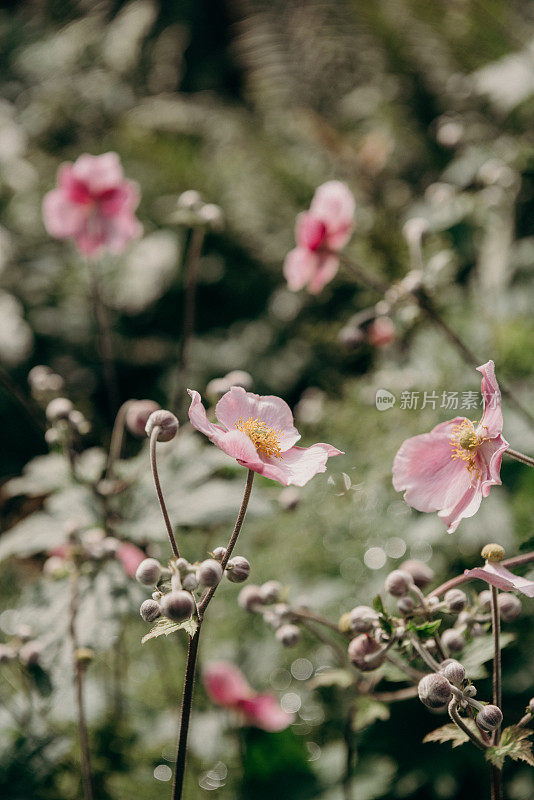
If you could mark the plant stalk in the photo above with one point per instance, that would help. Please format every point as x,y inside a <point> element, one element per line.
<point>104,336</point>
<point>154,466</point>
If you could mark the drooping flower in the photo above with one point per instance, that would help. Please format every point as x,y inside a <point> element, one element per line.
<point>453,467</point>
<point>226,685</point>
<point>93,204</point>
<point>320,234</point>
<point>497,575</point>
<point>258,432</point>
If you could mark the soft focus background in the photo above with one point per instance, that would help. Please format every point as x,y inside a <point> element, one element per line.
<point>425,110</point>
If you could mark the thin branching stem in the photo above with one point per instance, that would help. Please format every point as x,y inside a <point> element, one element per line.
<point>153,463</point>
<point>519,457</point>
<point>456,718</point>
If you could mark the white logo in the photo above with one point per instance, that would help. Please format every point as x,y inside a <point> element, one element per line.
<point>384,399</point>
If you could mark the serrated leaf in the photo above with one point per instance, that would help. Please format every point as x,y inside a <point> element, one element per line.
<point>514,745</point>
<point>341,678</point>
<point>367,711</point>
<point>451,733</point>
<point>164,627</point>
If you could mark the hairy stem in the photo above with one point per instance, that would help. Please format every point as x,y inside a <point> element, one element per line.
<point>495,772</point>
<point>520,457</point>
<point>104,336</point>
<point>78,670</point>
<point>456,718</point>
<point>153,464</point>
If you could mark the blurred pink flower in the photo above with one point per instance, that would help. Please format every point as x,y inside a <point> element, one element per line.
<point>320,234</point>
<point>226,685</point>
<point>93,204</point>
<point>453,467</point>
<point>497,575</point>
<point>258,432</point>
<point>130,557</point>
<point>381,332</point>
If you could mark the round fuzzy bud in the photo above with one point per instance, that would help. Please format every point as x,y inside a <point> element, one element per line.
<point>456,600</point>
<point>219,553</point>
<point>288,635</point>
<point>209,572</point>
<point>29,653</point>
<point>270,591</point>
<point>454,672</point>
<point>489,718</point>
<point>57,409</point>
<point>150,610</point>
<point>237,569</point>
<point>148,572</point>
<point>182,565</point>
<point>157,595</point>
<point>177,605</point>
<point>362,619</point>
<point>137,415</point>
<point>434,690</point>
<point>365,653</point>
<point>406,604</point>
<point>470,690</point>
<point>398,583</point>
<point>166,422</point>
<point>484,600</point>
<point>452,640</point>
<point>509,607</point>
<point>250,597</point>
<point>421,573</point>
<point>190,199</point>
<point>493,552</point>
<point>211,215</point>
<point>190,582</point>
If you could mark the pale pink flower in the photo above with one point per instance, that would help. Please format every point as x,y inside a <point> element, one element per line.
<point>227,686</point>
<point>130,557</point>
<point>381,332</point>
<point>453,467</point>
<point>258,431</point>
<point>497,575</point>
<point>320,234</point>
<point>93,204</point>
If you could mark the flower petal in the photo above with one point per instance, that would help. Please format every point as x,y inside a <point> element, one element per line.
<point>491,422</point>
<point>130,557</point>
<point>333,203</point>
<point>310,231</point>
<point>299,464</point>
<point>265,712</point>
<point>326,269</point>
<point>237,445</point>
<point>62,218</point>
<point>100,173</point>
<point>502,578</point>
<point>467,505</point>
<point>225,684</point>
<point>490,457</point>
<point>199,420</point>
<point>299,266</point>
<point>273,411</point>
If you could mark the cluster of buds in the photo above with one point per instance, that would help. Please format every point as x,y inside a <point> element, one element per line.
<point>175,586</point>
<point>21,648</point>
<point>63,420</point>
<point>86,549</point>
<point>268,600</point>
<point>191,210</point>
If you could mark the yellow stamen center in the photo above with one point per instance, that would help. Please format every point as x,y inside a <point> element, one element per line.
<point>264,438</point>
<point>465,442</point>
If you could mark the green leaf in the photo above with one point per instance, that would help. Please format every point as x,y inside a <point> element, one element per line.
<point>378,605</point>
<point>478,651</point>
<point>428,628</point>
<point>451,733</point>
<point>164,627</point>
<point>513,745</point>
<point>384,618</point>
<point>367,710</point>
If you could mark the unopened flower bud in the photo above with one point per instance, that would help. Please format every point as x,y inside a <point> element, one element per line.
<point>190,582</point>
<point>470,690</point>
<point>190,199</point>
<point>29,653</point>
<point>363,619</point>
<point>484,600</point>
<point>237,569</point>
<point>406,604</point>
<point>150,610</point>
<point>509,607</point>
<point>270,591</point>
<point>452,640</point>
<point>489,718</point>
<point>166,422</point>
<point>421,573</point>
<point>219,553</point>
<point>177,606</point>
<point>209,572</point>
<point>148,572</point>
<point>57,409</point>
<point>456,600</point>
<point>365,653</point>
<point>454,672</point>
<point>493,552</point>
<point>250,597</point>
<point>288,635</point>
<point>398,583</point>
<point>157,595</point>
<point>182,565</point>
<point>211,215</point>
<point>434,690</point>
<point>137,416</point>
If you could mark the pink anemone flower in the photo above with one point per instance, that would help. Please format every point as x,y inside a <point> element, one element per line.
<point>258,432</point>
<point>93,204</point>
<point>453,467</point>
<point>320,234</point>
<point>497,575</point>
<point>226,685</point>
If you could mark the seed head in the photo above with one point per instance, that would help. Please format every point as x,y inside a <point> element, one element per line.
<point>493,552</point>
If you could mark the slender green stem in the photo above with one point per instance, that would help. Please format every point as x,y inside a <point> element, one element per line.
<point>520,457</point>
<point>154,465</point>
<point>104,335</point>
<point>456,718</point>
